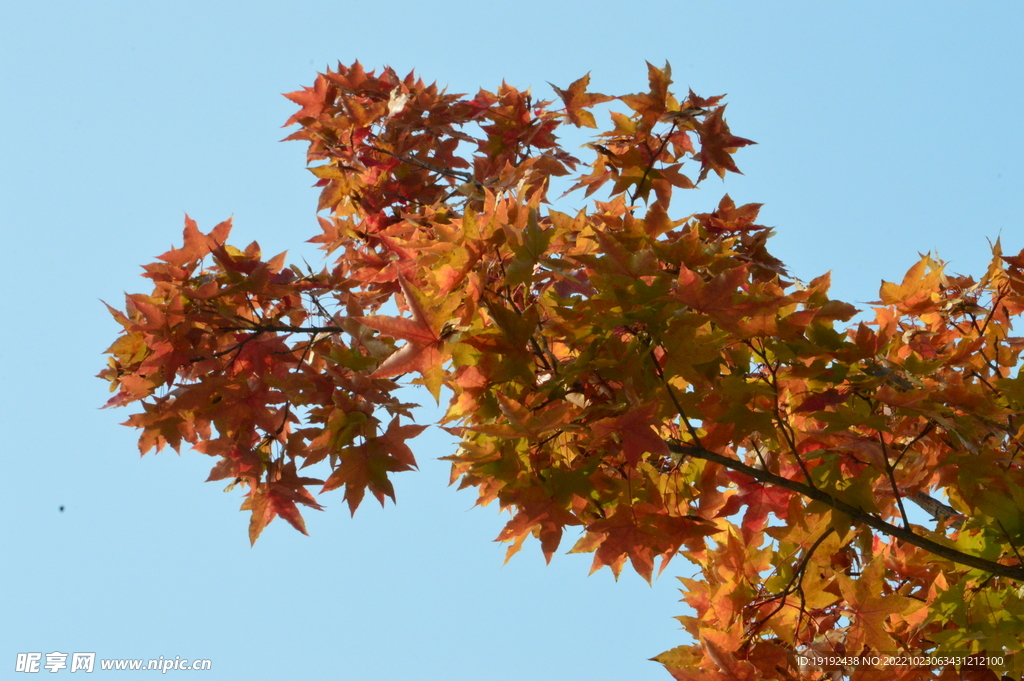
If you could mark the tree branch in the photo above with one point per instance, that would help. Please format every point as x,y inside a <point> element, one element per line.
<point>283,328</point>
<point>654,159</point>
<point>936,509</point>
<point>1014,572</point>
<point>447,172</point>
<point>891,473</point>
<point>795,584</point>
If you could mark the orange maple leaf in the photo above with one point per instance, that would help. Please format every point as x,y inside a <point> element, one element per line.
<point>868,608</point>
<point>196,244</point>
<point>278,498</point>
<point>312,100</point>
<point>577,99</point>
<point>423,350</point>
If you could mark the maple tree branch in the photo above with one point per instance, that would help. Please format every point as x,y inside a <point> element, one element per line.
<point>795,584</point>
<point>892,481</point>
<point>984,327</point>
<point>538,352</point>
<point>1009,541</point>
<point>217,355</point>
<point>928,426</point>
<point>1009,429</point>
<point>936,509</point>
<point>447,172</point>
<point>288,402</point>
<point>992,312</point>
<point>784,425</point>
<point>672,395</point>
<point>283,328</point>
<point>1014,572</point>
<point>760,456</point>
<point>316,301</point>
<point>541,346</point>
<point>654,159</point>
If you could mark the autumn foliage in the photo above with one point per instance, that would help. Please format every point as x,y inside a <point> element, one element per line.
<point>658,381</point>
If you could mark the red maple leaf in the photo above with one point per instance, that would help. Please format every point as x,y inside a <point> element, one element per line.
<point>718,145</point>
<point>367,465</point>
<point>423,350</point>
<point>312,100</point>
<point>635,431</point>
<point>728,218</point>
<point>278,498</point>
<point>196,244</point>
<point>759,499</point>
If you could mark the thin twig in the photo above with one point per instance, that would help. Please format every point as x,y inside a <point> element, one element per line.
<point>795,584</point>
<point>654,159</point>
<point>283,328</point>
<point>890,472</point>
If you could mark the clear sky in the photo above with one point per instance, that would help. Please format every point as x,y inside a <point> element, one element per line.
<point>884,130</point>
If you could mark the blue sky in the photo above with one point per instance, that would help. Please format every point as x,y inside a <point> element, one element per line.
<point>883,130</point>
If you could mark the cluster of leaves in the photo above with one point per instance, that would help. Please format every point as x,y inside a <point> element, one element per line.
<point>659,382</point>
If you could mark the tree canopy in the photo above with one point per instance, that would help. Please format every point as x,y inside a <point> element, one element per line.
<point>659,381</point>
